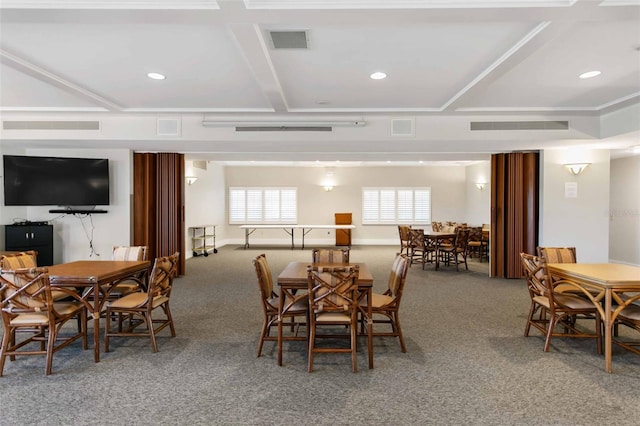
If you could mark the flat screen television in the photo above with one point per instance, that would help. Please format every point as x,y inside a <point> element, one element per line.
<point>54,181</point>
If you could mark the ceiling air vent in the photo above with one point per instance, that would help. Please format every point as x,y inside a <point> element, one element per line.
<point>289,39</point>
<point>403,127</point>
<point>51,125</point>
<point>168,127</point>
<point>519,125</point>
<point>284,128</point>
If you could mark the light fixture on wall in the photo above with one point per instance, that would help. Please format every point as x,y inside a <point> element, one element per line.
<point>576,168</point>
<point>328,187</point>
<point>191,179</point>
<point>480,185</point>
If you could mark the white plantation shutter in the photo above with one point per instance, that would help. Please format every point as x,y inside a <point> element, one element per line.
<point>262,205</point>
<point>237,206</point>
<point>396,205</point>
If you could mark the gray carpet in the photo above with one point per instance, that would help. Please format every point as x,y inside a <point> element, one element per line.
<point>467,362</point>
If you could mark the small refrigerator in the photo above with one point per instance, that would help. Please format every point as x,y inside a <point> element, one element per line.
<point>343,236</point>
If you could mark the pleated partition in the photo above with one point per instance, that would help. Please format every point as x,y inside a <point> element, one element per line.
<point>514,210</point>
<point>158,204</point>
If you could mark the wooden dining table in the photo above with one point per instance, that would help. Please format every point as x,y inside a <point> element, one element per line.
<point>95,274</point>
<point>437,238</point>
<point>608,281</point>
<point>295,277</point>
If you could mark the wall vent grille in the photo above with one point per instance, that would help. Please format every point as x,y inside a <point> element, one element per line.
<point>519,125</point>
<point>51,125</point>
<point>289,39</point>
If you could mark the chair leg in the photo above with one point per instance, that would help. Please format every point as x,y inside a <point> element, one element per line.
<point>263,334</point>
<point>51,341</point>
<point>152,331</point>
<point>396,322</point>
<point>552,324</point>
<point>6,340</point>
<point>354,346</point>
<point>312,344</point>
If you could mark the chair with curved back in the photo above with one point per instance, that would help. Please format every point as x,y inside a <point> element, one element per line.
<point>387,304</point>
<point>27,306</point>
<point>333,301</point>
<point>129,284</point>
<point>422,249</point>
<point>405,239</point>
<point>556,309</point>
<point>330,255</point>
<point>459,249</point>
<point>293,307</point>
<point>141,305</point>
<point>560,255</point>
<point>628,316</point>
<point>477,243</point>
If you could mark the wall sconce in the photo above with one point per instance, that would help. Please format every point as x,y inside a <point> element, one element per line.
<point>480,185</point>
<point>191,179</point>
<point>576,168</point>
<point>328,187</point>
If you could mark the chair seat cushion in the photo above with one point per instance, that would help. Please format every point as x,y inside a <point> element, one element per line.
<point>631,312</point>
<point>62,308</point>
<point>301,303</point>
<point>573,302</point>
<point>133,300</point>
<point>333,317</point>
<point>378,300</point>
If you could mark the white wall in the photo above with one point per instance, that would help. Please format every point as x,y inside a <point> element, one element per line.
<point>205,202</point>
<point>478,202</point>
<point>73,236</point>
<point>316,206</point>
<point>581,222</point>
<point>624,213</point>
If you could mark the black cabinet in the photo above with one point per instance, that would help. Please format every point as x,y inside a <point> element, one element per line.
<point>31,237</point>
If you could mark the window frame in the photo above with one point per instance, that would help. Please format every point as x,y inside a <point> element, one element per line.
<point>399,216</point>
<point>265,208</point>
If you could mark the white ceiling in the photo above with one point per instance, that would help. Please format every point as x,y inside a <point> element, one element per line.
<point>448,62</point>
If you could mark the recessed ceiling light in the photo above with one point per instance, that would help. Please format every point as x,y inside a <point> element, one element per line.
<point>589,74</point>
<point>156,76</point>
<point>378,75</point>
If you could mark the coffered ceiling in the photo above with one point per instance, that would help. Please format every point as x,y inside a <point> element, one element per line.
<point>448,63</point>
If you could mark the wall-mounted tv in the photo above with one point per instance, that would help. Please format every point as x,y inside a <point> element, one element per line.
<point>54,181</point>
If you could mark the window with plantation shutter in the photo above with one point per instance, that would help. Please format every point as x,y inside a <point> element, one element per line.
<point>390,206</point>
<point>263,205</point>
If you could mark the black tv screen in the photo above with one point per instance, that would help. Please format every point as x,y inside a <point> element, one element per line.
<point>53,181</point>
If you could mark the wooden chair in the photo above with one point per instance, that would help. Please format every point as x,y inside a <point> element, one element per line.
<point>129,284</point>
<point>459,249</point>
<point>27,306</point>
<point>333,300</point>
<point>477,243</point>
<point>405,239</point>
<point>28,259</point>
<point>422,249</point>
<point>560,255</point>
<point>628,316</point>
<point>553,308</point>
<point>388,303</point>
<point>294,307</point>
<point>330,255</point>
<point>140,305</point>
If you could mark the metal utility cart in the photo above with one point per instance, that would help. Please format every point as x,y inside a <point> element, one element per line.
<point>203,239</point>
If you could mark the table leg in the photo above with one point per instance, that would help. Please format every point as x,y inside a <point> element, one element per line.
<point>608,326</point>
<point>280,308</point>
<point>246,238</point>
<point>370,325</point>
<point>96,322</point>
<point>437,253</point>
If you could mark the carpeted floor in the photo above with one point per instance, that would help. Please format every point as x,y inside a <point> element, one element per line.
<point>467,362</point>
